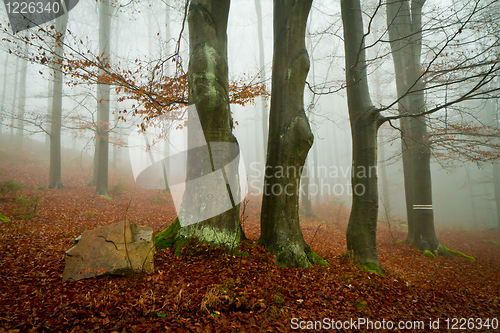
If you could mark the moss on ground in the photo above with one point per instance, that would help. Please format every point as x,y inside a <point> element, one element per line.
<point>372,267</point>
<point>456,253</point>
<point>428,254</point>
<point>167,238</point>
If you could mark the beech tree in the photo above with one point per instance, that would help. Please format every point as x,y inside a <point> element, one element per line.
<point>404,24</point>
<point>466,75</point>
<point>21,104</point>
<point>262,69</point>
<point>4,89</point>
<point>209,93</point>
<point>365,120</point>
<point>290,138</point>
<point>55,181</point>
<point>101,159</point>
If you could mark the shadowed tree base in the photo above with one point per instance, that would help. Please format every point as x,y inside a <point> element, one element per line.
<point>56,186</point>
<point>295,255</point>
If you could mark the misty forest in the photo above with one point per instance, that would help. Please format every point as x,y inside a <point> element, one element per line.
<point>249,166</point>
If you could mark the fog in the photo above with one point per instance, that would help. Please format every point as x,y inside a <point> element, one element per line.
<point>463,193</point>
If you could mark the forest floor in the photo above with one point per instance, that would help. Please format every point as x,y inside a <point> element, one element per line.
<point>208,290</point>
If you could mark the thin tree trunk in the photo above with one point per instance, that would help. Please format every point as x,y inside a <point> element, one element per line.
<point>14,100</point>
<point>22,102</point>
<point>365,121</point>
<point>305,194</point>
<point>290,138</point>
<point>50,96</point>
<point>102,131</point>
<point>385,183</point>
<point>262,68</point>
<point>55,181</point>
<point>317,181</point>
<point>496,164</point>
<point>168,36</point>
<point>4,90</point>
<point>382,161</point>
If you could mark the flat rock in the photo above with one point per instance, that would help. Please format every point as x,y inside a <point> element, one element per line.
<point>117,249</point>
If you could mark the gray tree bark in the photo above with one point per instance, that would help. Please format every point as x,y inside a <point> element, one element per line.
<point>385,184</point>
<point>496,164</point>
<point>262,68</point>
<point>365,121</point>
<point>50,96</point>
<point>290,138</point>
<point>101,159</point>
<point>496,188</point>
<point>55,181</point>
<point>305,194</point>
<point>404,24</point>
<point>21,104</point>
<point>4,90</point>
<point>14,100</point>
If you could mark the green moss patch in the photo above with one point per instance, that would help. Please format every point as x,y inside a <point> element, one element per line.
<point>361,305</point>
<point>428,254</point>
<point>456,253</point>
<point>371,267</point>
<point>316,259</point>
<point>4,218</point>
<point>167,238</point>
<point>494,242</point>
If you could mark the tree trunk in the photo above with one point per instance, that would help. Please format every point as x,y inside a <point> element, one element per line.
<point>305,194</point>
<point>262,68</point>
<point>365,121</point>
<point>55,181</point>
<point>210,152</point>
<point>404,26</point>
<point>18,143</point>
<point>50,96</point>
<point>4,90</point>
<point>101,159</point>
<point>14,100</point>
<point>496,164</point>
<point>496,187</point>
<point>290,138</point>
<point>385,184</point>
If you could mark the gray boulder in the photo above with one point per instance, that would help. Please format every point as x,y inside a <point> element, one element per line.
<point>117,249</point>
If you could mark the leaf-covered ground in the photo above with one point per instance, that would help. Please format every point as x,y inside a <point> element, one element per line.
<point>208,290</point>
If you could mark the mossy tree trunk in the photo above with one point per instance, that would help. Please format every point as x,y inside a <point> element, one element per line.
<point>365,120</point>
<point>55,181</point>
<point>290,138</point>
<point>404,24</point>
<point>208,91</point>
